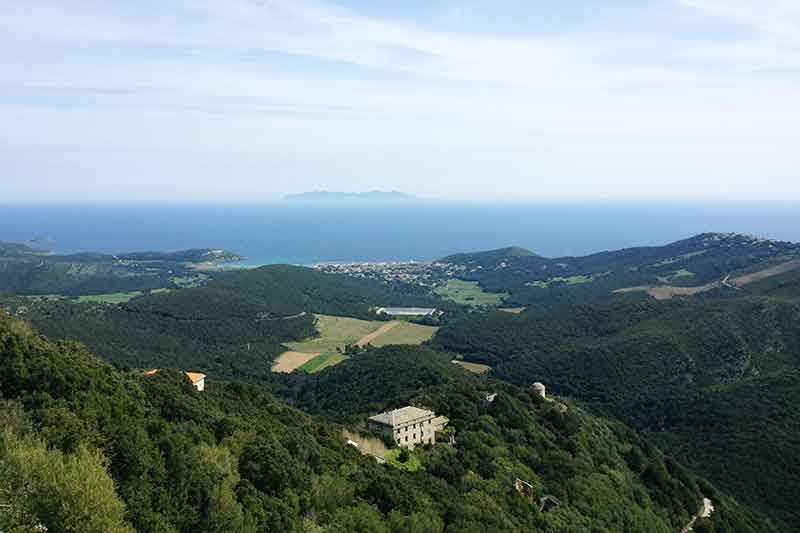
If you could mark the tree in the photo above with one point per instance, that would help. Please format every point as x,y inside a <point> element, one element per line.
<point>62,492</point>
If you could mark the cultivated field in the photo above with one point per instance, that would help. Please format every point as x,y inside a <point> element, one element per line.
<point>289,361</point>
<point>469,293</point>
<point>475,368</point>
<point>405,333</point>
<point>335,332</point>
<point>321,362</point>
<point>315,354</point>
<point>111,298</point>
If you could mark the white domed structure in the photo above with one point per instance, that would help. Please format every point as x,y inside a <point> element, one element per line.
<point>540,390</point>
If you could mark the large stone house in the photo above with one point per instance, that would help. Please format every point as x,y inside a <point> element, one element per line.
<point>409,426</point>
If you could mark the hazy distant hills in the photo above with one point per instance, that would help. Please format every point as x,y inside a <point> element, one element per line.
<point>351,197</point>
<point>29,271</point>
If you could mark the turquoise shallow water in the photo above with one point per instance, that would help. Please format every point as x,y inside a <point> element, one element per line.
<point>306,234</point>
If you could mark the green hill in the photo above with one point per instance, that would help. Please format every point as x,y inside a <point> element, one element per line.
<point>532,280</point>
<point>234,326</point>
<point>489,256</point>
<point>712,380</point>
<point>233,458</point>
<point>27,271</point>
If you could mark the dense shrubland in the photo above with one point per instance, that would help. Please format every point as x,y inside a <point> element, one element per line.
<point>235,459</point>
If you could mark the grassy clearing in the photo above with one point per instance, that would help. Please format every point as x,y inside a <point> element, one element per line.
<point>406,333</point>
<point>513,310</point>
<point>321,362</point>
<point>158,291</point>
<point>335,332</point>
<point>475,368</point>
<point>189,281</point>
<point>110,298</point>
<point>571,280</point>
<point>683,257</point>
<point>411,465</point>
<point>469,293</point>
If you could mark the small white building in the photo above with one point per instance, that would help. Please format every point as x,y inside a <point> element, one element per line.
<point>540,390</point>
<point>406,311</point>
<point>409,426</point>
<point>197,379</point>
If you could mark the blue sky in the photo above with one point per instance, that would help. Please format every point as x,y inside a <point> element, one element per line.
<point>202,100</point>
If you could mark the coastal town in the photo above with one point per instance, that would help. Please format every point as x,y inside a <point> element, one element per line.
<point>428,275</point>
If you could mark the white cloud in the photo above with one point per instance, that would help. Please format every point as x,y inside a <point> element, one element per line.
<point>779,19</point>
<point>305,92</point>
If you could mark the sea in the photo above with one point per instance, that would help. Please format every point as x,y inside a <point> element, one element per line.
<point>307,234</point>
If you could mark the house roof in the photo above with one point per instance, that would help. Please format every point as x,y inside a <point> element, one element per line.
<point>193,376</point>
<point>401,416</point>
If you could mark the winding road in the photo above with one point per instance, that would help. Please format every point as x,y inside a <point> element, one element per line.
<point>705,512</point>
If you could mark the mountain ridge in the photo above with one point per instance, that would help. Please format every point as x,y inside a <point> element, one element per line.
<point>349,197</point>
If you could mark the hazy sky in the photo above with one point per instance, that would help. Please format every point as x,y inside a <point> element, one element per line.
<point>523,99</point>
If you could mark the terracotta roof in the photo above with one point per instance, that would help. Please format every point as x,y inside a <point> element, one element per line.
<point>195,376</point>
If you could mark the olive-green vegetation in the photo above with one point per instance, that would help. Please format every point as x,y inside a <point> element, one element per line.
<point>572,280</point>
<point>234,459</point>
<point>26,271</point>
<point>191,280</point>
<point>505,436</point>
<point>678,259</point>
<point>712,380</point>
<point>41,486</point>
<point>469,293</point>
<point>531,280</point>
<point>335,332</point>
<point>234,326</point>
<point>403,459</point>
<point>114,298</point>
<point>321,362</point>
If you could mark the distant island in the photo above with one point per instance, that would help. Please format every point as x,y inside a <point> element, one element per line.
<point>350,197</point>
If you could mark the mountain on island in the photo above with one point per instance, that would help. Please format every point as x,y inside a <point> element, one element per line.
<point>349,197</point>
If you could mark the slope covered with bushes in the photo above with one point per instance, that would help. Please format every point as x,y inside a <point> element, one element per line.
<point>232,327</point>
<point>711,380</point>
<point>234,459</point>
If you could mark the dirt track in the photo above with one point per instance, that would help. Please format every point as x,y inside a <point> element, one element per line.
<point>366,339</point>
<point>289,361</point>
<point>666,292</point>
<point>767,273</point>
<point>705,512</point>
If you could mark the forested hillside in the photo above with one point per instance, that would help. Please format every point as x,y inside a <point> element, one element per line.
<point>232,327</point>
<point>28,271</point>
<point>712,380</point>
<point>538,281</point>
<point>234,459</point>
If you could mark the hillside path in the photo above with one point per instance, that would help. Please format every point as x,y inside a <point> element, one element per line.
<point>666,292</point>
<point>705,512</point>
<point>366,339</point>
